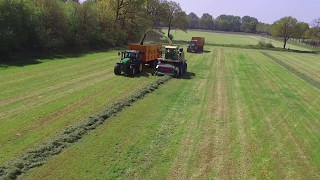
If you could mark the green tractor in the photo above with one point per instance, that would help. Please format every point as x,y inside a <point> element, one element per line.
<point>130,63</point>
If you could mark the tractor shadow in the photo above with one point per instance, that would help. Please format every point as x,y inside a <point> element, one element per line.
<point>146,72</point>
<point>188,75</point>
<point>205,52</point>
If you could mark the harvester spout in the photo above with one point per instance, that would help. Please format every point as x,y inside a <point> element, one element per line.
<point>155,31</point>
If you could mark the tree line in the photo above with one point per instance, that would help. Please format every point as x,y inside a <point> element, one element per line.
<point>60,25</point>
<point>285,28</point>
<point>223,23</point>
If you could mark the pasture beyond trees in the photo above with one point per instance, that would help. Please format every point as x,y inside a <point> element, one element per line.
<point>238,113</point>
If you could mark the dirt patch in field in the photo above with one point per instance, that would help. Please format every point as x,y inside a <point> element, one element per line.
<point>40,154</point>
<point>308,79</point>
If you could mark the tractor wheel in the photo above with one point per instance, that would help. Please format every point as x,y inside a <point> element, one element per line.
<point>117,69</point>
<point>176,72</point>
<point>134,72</point>
<point>153,63</point>
<point>130,71</point>
<point>185,67</point>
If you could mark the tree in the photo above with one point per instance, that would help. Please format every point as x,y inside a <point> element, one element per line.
<point>315,29</point>
<point>206,21</point>
<point>175,18</point>
<point>263,28</point>
<point>285,28</point>
<point>228,23</point>
<point>249,24</point>
<point>193,21</point>
<point>300,30</point>
<point>155,11</point>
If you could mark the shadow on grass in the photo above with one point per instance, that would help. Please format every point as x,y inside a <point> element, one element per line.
<point>188,75</point>
<point>25,59</point>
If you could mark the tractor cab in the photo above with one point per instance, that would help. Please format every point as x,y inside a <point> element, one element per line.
<point>130,55</point>
<point>173,63</point>
<point>174,53</point>
<point>194,43</point>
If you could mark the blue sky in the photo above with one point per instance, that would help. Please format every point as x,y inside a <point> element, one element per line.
<point>266,11</point>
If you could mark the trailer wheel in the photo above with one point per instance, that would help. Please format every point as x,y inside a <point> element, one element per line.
<point>117,69</point>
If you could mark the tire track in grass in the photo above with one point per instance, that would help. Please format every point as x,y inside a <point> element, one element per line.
<point>263,166</point>
<point>40,154</point>
<point>239,113</point>
<point>308,79</point>
<point>216,145</point>
<point>189,140</point>
<point>269,136</point>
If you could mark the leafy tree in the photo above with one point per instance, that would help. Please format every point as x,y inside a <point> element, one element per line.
<point>300,30</point>
<point>263,28</point>
<point>315,29</point>
<point>193,21</point>
<point>249,24</point>
<point>285,28</point>
<point>228,23</point>
<point>156,12</point>
<point>206,21</point>
<point>175,18</point>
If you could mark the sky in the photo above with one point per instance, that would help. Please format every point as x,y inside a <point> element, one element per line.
<point>266,11</point>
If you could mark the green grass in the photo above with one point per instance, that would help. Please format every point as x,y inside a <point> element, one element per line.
<point>222,39</point>
<point>241,115</point>
<point>38,101</point>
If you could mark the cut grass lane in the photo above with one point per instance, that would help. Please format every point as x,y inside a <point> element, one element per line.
<point>308,64</point>
<point>239,123</point>
<point>141,141</point>
<point>55,74</point>
<point>61,108</point>
<point>277,102</point>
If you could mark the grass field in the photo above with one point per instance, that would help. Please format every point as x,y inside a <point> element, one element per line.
<point>237,114</point>
<point>232,39</point>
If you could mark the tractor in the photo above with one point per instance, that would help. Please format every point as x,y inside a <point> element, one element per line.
<point>196,45</point>
<point>130,63</point>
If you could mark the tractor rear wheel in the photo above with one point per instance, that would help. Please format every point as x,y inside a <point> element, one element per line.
<point>117,69</point>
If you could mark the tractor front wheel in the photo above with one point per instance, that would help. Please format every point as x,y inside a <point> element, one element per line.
<point>130,71</point>
<point>117,69</point>
<point>176,72</point>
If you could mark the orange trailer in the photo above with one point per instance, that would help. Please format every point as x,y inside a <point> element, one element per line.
<point>148,53</point>
<point>200,40</point>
